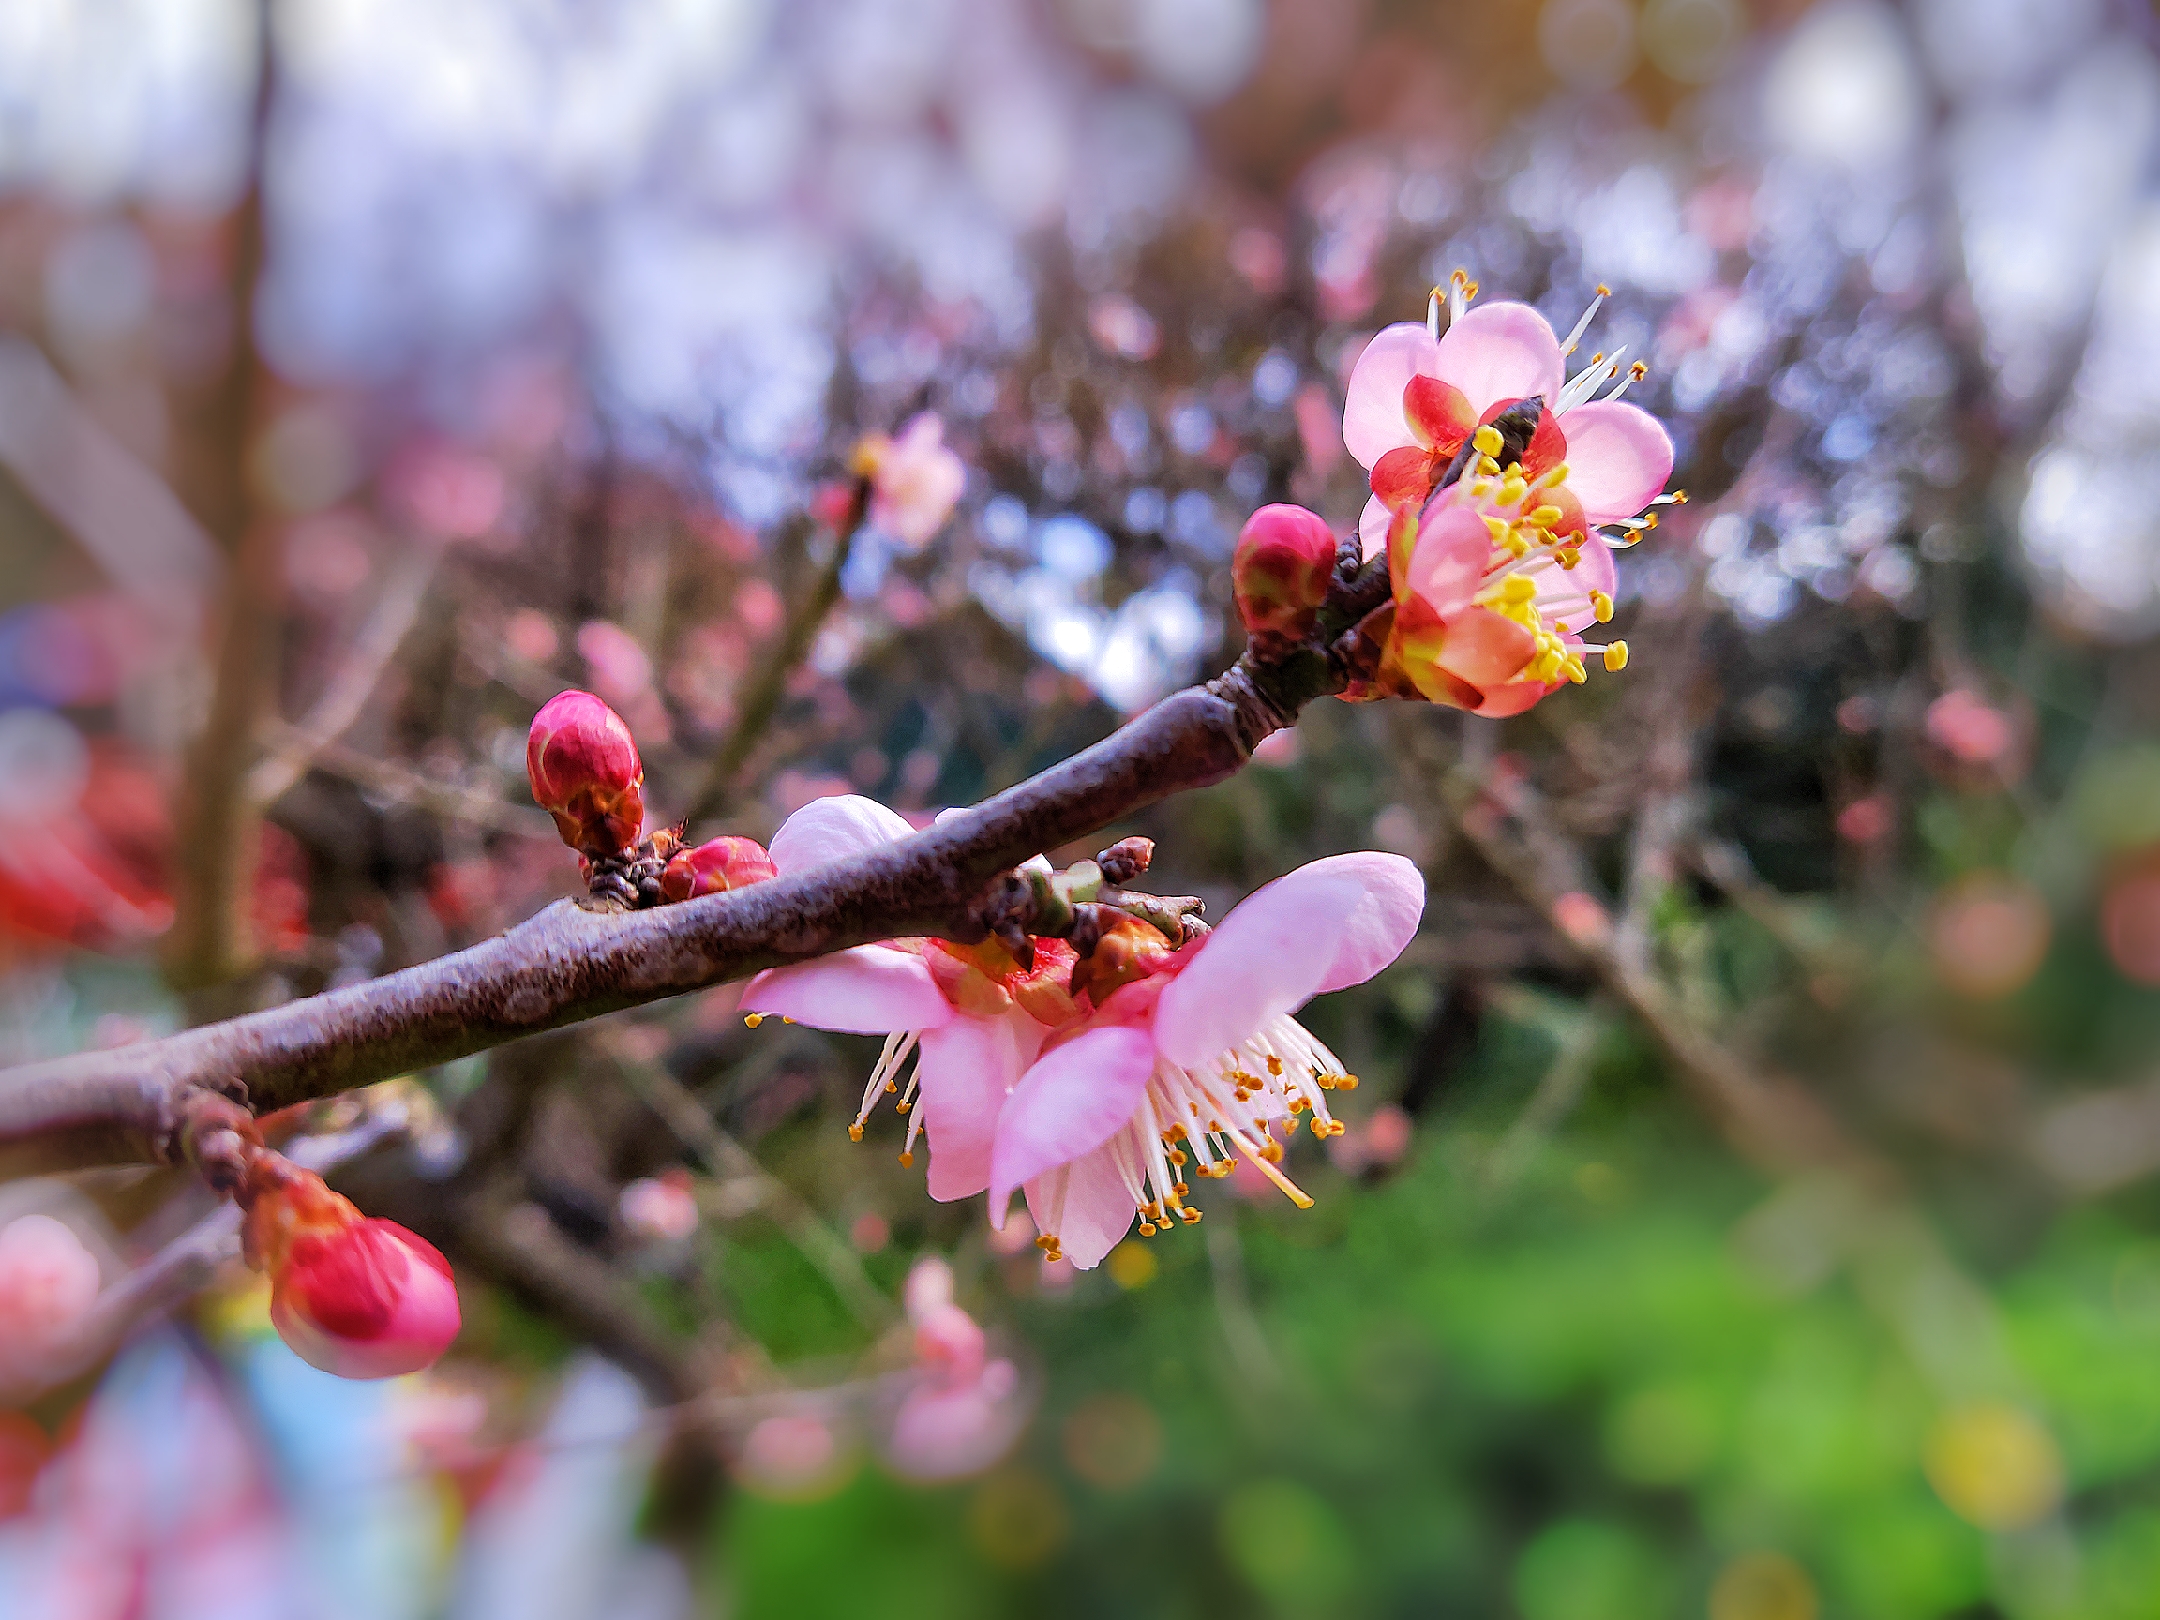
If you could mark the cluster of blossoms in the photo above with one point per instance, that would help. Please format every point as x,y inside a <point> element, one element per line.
<point>1097,1087</point>
<point>1500,487</point>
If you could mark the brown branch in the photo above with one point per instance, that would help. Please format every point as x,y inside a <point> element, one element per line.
<point>571,963</point>
<point>208,943</point>
<point>762,701</point>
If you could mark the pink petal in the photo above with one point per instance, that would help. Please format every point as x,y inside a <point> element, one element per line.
<point>1075,1097</point>
<point>1335,922</point>
<point>966,1068</point>
<point>1385,921</point>
<point>1485,648</point>
<point>1448,562</point>
<point>870,990</point>
<point>1373,421</point>
<point>1372,527</point>
<point>1503,351</point>
<point>1618,458</point>
<point>1514,697</point>
<point>1085,1205</point>
<point>832,829</point>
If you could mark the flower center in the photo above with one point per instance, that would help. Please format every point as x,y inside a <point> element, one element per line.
<point>1200,1121</point>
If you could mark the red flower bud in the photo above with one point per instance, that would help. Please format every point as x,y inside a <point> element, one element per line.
<point>352,1295</point>
<point>716,866</point>
<point>585,773</point>
<point>1285,558</point>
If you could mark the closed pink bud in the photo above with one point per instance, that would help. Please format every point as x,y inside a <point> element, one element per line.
<point>349,1294</point>
<point>1280,573</point>
<point>585,772</point>
<point>715,867</point>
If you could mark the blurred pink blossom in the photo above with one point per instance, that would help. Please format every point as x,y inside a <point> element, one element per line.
<point>915,481</point>
<point>48,1283</point>
<point>1864,821</point>
<point>1967,729</point>
<point>621,671</point>
<point>447,491</point>
<point>660,1209</point>
<point>792,1456</point>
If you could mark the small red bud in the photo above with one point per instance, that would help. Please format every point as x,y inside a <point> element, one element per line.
<point>585,772</point>
<point>1285,558</point>
<point>715,867</point>
<point>350,1294</point>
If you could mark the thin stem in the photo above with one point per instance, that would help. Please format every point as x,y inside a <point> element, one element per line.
<point>762,700</point>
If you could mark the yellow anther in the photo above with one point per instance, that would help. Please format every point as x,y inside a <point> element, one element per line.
<point>1147,1228</point>
<point>1517,546</point>
<point>1192,1216</point>
<point>1487,467</point>
<point>1518,588</point>
<point>1488,441</point>
<point>1616,656</point>
<point>854,1133</point>
<point>903,1105</point>
<point>1650,522</point>
<point>1274,1064</point>
<point>1639,370</point>
<point>1499,528</point>
<point>1570,556</point>
<point>1601,605</point>
<point>1180,1189</point>
<point>1680,495</point>
<point>891,1086</point>
<point>752,1020</point>
<point>1348,1082</point>
<point>1511,490</point>
<point>1555,478</point>
<point>1573,669</point>
<point>1603,291</point>
<point>907,1159</point>
<point>1045,1242</point>
<point>1546,516</point>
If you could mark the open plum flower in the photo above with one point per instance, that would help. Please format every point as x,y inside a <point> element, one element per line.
<point>1497,571</point>
<point>1417,395</point>
<point>969,1017</point>
<point>1196,1063</point>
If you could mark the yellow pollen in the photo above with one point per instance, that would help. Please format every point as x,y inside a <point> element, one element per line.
<point>1616,656</point>
<point>1546,516</point>
<point>1680,495</point>
<point>1192,1216</point>
<point>752,1020</point>
<point>1601,605</point>
<point>1177,1156</point>
<point>1045,1242</point>
<point>1555,478</point>
<point>1518,588</point>
<point>1603,291</point>
<point>1570,556</point>
<point>907,1159</point>
<point>903,1105</point>
<point>854,1133</point>
<point>1291,1188</point>
<point>1639,370</point>
<point>1512,491</point>
<point>1348,1082</point>
<point>1487,440</point>
<point>1147,1228</point>
<point>891,1086</point>
<point>1180,1189</point>
<point>1274,1064</point>
<point>1487,467</point>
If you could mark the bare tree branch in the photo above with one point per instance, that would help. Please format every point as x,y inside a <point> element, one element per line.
<point>572,962</point>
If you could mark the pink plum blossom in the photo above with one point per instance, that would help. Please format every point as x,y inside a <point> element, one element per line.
<point>48,1284</point>
<point>1498,571</point>
<point>660,1209</point>
<point>915,481</point>
<point>962,1412</point>
<point>968,1016</point>
<point>1416,396</point>
<point>1195,1063</point>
